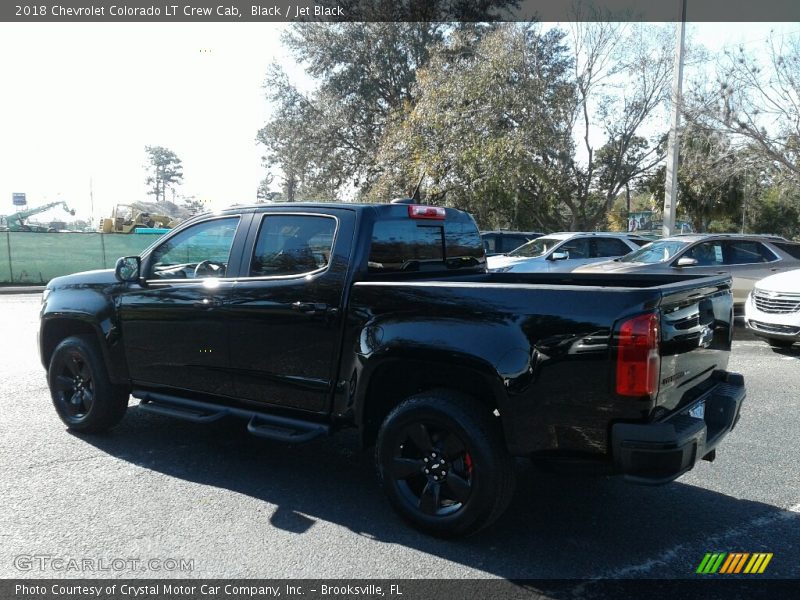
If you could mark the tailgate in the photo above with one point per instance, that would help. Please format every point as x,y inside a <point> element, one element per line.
<point>696,328</point>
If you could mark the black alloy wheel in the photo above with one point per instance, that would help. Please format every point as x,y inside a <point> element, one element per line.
<point>443,462</point>
<point>432,469</point>
<point>81,391</point>
<point>74,386</point>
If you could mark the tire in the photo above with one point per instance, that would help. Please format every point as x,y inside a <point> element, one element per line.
<point>463,440</point>
<point>779,343</point>
<point>82,393</point>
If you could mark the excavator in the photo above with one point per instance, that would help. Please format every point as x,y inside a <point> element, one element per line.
<point>16,221</point>
<point>126,219</point>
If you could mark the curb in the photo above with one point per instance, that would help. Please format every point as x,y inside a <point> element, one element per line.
<point>23,289</point>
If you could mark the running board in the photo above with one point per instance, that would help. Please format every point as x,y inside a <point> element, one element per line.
<point>274,427</point>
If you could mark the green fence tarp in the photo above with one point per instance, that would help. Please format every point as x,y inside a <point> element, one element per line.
<point>5,265</point>
<point>39,257</point>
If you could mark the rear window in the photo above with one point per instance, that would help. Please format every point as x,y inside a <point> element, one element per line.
<point>790,249</point>
<point>409,245</point>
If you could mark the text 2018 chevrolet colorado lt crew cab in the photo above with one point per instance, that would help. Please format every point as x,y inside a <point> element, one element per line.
<point>308,318</point>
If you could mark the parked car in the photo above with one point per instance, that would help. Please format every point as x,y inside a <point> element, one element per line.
<point>503,242</point>
<point>563,252</point>
<point>772,310</point>
<point>747,258</point>
<point>307,318</point>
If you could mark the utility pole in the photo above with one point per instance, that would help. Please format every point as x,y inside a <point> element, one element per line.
<point>673,145</point>
<point>91,200</point>
<point>744,201</point>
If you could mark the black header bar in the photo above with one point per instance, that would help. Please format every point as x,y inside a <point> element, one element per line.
<point>396,10</point>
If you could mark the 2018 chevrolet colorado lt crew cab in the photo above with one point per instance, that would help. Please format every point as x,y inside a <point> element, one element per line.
<point>308,318</point>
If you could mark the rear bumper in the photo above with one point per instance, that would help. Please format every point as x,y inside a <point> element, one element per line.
<point>656,453</point>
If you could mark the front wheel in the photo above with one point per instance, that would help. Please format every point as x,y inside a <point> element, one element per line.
<point>81,391</point>
<point>444,465</point>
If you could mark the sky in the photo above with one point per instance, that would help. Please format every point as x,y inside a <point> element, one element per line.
<point>80,101</point>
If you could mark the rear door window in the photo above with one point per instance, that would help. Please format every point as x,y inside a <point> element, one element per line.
<point>746,253</point>
<point>791,249</point>
<point>609,247</point>
<point>292,245</point>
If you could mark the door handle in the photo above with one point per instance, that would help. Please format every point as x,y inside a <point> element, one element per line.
<point>310,308</point>
<point>208,303</point>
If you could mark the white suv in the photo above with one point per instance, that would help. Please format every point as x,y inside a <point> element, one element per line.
<point>565,251</point>
<point>772,310</point>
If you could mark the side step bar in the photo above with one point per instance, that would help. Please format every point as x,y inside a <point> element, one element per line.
<point>273,427</point>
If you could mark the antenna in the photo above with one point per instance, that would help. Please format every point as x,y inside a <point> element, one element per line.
<point>415,195</point>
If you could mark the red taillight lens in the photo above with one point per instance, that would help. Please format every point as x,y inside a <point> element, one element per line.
<point>638,360</point>
<point>416,211</point>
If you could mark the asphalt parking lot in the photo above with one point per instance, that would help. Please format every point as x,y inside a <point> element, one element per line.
<point>238,506</point>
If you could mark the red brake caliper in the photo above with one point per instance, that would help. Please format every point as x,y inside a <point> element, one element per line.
<point>468,462</point>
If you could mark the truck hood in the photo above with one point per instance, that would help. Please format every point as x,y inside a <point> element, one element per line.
<point>787,282</point>
<point>101,277</point>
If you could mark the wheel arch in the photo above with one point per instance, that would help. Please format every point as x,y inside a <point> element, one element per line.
<point>56,328</point>
<point>391,381</point>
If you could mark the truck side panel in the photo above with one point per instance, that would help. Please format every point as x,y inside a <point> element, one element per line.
<point>546,352</point>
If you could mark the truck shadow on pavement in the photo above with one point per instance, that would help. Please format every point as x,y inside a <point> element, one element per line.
<point>558,526</point>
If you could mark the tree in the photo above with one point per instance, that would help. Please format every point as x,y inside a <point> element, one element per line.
<point>488,121</point>
<point>493,127</point>
<point>475,115</point>
<point>324,141</point>
<point>756,103</point>
<point>777,212</point>
<point>166,171</point>
<point>622,74</point>
<point>264,193</point>
<point>711,183</point>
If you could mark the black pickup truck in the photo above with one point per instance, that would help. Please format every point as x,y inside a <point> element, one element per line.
<point>308,318</point>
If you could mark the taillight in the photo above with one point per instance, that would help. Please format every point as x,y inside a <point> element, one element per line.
<point>638,360</point>
<point>417,211</point>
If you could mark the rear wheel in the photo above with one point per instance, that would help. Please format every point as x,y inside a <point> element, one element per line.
<point>81,391</point>
<point>443,463</point>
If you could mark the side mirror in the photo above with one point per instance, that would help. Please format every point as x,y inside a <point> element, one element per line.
<point>127,269</point>
<point>559,256</point>
<point>685,261</point>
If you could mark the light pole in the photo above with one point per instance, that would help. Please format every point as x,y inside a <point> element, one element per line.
<point>673,145</point>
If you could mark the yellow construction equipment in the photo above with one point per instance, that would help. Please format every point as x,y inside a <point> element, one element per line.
<point>126,218</point>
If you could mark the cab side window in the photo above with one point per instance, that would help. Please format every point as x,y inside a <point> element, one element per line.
<point>292,245</point>
<point>577,248</point>
<point>200,251</point>
<point>745,252</point>
<point>707,254</point>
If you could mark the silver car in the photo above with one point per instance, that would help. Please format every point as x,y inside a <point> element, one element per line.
<point>746,258</point>
<point>561,252</point>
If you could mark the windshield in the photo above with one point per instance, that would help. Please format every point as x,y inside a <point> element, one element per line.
<point>655,252</point>
<point>535,247</point>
